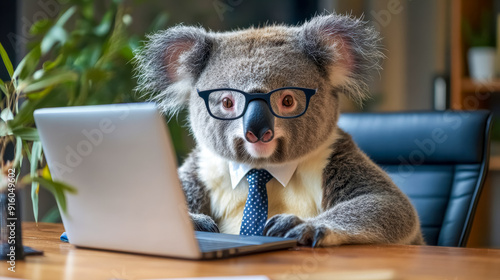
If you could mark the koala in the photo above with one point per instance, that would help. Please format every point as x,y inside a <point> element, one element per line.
<point>332,193</point>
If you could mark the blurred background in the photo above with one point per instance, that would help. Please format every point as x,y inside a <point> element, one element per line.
<point>426,43</point>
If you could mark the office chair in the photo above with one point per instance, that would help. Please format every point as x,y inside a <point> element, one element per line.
<point>438,159</point>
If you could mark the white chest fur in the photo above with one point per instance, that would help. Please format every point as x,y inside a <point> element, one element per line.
<point>302,196</point>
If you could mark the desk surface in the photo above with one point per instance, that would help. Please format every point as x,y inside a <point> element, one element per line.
<point>64,261</point>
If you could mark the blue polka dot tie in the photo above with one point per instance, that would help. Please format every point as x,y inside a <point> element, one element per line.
<point>255,213</point>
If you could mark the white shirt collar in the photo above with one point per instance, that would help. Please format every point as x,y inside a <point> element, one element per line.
<point>283,172</point>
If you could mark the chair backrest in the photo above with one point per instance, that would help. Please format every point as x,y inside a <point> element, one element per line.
<point>438,159</point>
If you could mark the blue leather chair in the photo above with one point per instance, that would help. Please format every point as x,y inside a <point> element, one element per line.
<point>439,159</point>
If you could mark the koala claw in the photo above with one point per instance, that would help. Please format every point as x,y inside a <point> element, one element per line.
<point>203,222</point>
<point>280,224</point>
<point>308,234</point>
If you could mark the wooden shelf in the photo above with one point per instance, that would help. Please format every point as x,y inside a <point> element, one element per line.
<point>461,85</point>
<point>495,163</point>
<point>471,86</point>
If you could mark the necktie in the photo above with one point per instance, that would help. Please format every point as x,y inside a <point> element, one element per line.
<point>255,213</point>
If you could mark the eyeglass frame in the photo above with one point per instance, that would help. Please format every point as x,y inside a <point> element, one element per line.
<point>204,94</point>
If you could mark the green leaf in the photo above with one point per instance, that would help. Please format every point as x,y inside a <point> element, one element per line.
<point>18,156</point>
<point>48,65</point>
<point>36,154</point>
<point>87,10</point>
<point>3,88</point>
<point>65,17</point>
<point>28,64</point>
<point>160,22</point>
<point>4,129</point>
<point>84,90</point>
<point>26,149</point>
<point>38,74</point>
<point>39,94</point>
<point>88,57</point>
<point>34,199</point>
<point>40,27</point>
<point>25,114</point>
<point>6,115</point>
<point>127,52</point>
<point>55,184</point>
<point>97,75</point>
<point>52,216</point>
<point>26,133</point>
<point>56,34</point>
<point>6,61</point>
<point>103,28</point>
<point>58,189</point>
<point>51,80</point>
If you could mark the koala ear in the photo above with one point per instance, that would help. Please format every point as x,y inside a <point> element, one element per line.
<point>169,64</point>
<point>345,48</point>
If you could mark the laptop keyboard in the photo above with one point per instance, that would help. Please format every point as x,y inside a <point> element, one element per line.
<point>215,245</point>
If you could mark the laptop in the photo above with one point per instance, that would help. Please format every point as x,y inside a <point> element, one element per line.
<point>129,198</point>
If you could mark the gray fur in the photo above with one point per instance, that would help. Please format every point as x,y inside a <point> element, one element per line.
<point>151,69</point>
<point>197,195</point>
<point>362,39</point>
<point>203,222</point>
<point>331,53</point>
<point>362,204</point>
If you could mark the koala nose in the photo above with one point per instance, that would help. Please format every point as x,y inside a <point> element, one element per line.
<point>258,122</point>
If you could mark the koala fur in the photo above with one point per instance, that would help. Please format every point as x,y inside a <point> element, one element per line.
<point>337,195</point>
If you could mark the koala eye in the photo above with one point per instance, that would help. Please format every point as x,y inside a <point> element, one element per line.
<point>227,103</point>
<point>287,101</point>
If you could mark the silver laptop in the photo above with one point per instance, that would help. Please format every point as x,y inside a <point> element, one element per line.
<point>129,197</point>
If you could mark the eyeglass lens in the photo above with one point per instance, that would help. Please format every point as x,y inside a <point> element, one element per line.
<point>228,104</point>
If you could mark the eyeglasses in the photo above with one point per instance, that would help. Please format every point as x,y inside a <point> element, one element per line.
<point>230,104</point>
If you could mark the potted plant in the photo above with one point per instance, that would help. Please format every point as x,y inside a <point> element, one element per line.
<point>482,52</point>
<point>76,60</point>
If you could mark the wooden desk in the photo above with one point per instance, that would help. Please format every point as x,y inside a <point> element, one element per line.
<point>64,261</point>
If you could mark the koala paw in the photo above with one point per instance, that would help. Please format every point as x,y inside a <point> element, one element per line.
<point>291,226</point>
<point>308,234</point>
<point>203,222</point>
<point>280,224</point>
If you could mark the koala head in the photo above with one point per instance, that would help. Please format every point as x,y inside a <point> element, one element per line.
<point>332,54</point>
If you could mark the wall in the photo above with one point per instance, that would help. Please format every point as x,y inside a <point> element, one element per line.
<point>415,39</point>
